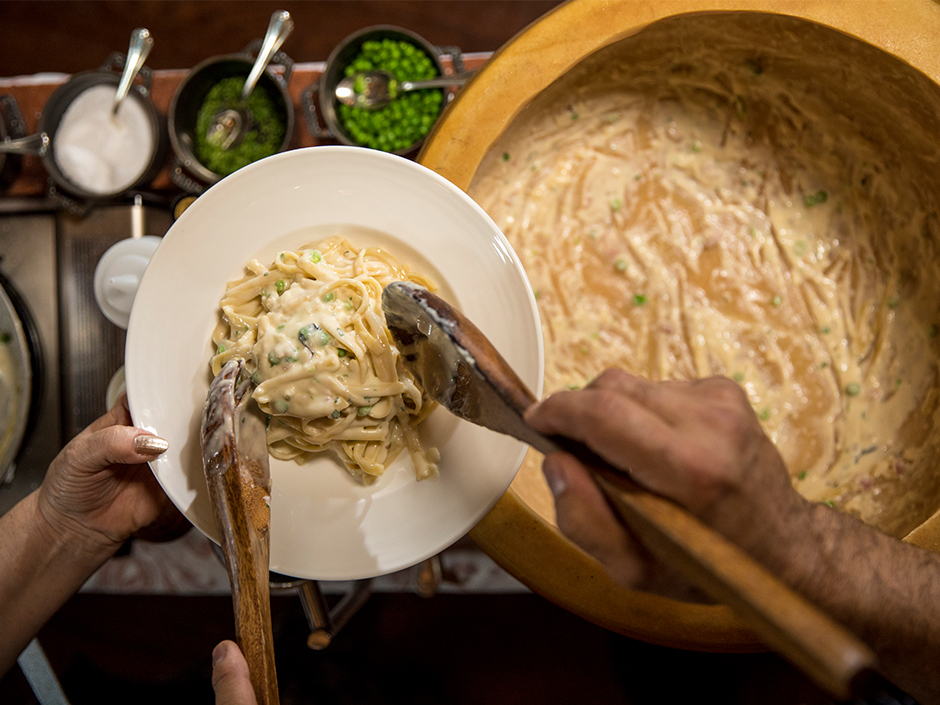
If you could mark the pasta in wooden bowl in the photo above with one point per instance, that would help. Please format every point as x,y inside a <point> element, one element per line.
<point>744,194</point>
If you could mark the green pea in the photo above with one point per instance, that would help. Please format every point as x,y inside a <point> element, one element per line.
<point>312,333</point>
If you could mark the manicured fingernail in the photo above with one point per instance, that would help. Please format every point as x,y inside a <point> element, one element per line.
<point>219,653</point>
<point>150,445</point>
<point>555,476</point>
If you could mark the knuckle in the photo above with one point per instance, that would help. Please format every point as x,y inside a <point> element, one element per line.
<point>607,404</point>
<point>611,377</point>
<point>70,455</point>
<point>724,392</point>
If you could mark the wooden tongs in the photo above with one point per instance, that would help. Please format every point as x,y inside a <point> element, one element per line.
<point>460,369</point>
<point>235,460</point>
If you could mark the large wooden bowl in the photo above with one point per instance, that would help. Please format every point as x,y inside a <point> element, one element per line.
<point>519,533</point>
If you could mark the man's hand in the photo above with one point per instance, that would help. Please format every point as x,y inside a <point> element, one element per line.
<point>698,443</point>
<point>701,445</point>
<point>230,679</point>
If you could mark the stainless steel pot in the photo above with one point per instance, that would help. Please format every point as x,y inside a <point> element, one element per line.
<point>11,128</point>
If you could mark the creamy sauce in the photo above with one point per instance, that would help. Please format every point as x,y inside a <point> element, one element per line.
<point>311,329</point>
<point>101,152</point>
<point>703,220</point>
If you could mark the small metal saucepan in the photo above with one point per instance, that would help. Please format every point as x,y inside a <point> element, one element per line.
<point>192,92</point>
<point>43,142</point>
<point>11,128</point>
<point>323,92</point>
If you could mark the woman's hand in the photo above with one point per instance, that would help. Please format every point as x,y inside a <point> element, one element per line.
<point>100,490</point>
<point>97,492</point>
<point>698,443</point>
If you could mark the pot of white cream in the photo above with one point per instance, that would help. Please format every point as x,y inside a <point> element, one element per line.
<point>92,152</point>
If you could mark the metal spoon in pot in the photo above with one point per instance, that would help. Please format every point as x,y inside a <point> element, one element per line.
<point>459,368</point>
<point>137,52</point>
<point>230,123</point>
<point>377,88</point>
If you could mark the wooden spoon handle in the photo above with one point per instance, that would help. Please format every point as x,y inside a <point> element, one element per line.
<point>834,657</point>
<point>235,462</point>
<point>246,555</point>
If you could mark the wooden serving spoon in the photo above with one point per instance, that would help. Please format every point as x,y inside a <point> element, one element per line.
<point>460,369</point>
<point>235,460</point>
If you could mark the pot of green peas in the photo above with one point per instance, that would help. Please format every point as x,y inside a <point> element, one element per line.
<point>401,126</point>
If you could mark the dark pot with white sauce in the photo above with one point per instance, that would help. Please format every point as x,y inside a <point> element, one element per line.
<point>90,152</point>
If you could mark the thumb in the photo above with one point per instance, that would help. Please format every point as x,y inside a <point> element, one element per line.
<point>230,679</point>
<point>123,445</point>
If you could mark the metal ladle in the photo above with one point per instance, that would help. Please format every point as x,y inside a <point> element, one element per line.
<point>460,369</point>
<point>230,123</point>
<point>377,88</point>
<point>137,52</point>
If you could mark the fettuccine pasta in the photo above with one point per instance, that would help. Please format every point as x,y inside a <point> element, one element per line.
<point>311,329</point>
<point>695,215</point>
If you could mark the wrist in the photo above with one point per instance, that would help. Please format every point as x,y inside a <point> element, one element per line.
<point>803,551</point>
<point>778,527</point>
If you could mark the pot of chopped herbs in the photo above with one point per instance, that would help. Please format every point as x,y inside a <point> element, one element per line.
<point>213,83</point>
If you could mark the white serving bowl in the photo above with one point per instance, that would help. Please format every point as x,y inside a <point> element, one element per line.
<point>325,525</point>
